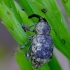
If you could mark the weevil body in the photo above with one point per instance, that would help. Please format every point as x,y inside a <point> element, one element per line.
<point>41,49</point>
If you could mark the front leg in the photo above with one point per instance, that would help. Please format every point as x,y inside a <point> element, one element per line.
<point>27,28</point>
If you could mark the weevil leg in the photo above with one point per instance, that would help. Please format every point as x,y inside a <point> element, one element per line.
<point>25,27</point>
<point>24,45</point>
<point>27,55</point>
<point>32,25</point>
<point>30,38</point>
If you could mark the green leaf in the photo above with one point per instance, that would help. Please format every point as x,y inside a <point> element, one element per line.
<point>66,4</point>
<point>54,65</point>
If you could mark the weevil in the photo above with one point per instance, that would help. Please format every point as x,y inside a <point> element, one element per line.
<point>41,49</point>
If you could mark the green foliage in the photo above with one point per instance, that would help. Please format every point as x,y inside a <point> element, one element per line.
<point>13,16</point>
<point>66,4</point>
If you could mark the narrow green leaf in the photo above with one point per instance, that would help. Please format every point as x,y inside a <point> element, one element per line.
<point>66,4</point>
<point>54,65</point>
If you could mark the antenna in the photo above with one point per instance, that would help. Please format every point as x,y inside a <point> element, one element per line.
<point>38,16</point>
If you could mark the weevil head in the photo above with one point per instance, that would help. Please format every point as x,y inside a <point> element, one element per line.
<point>43,28</point>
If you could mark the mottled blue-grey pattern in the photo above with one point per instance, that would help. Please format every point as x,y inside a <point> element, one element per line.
<point>41,49</point>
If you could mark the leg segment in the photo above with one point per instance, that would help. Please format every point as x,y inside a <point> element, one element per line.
<point>27,54</point>
<point>30,38</point>
<point>27,28</point>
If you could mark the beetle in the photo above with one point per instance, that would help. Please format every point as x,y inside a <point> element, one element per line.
<point>41,49</point>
